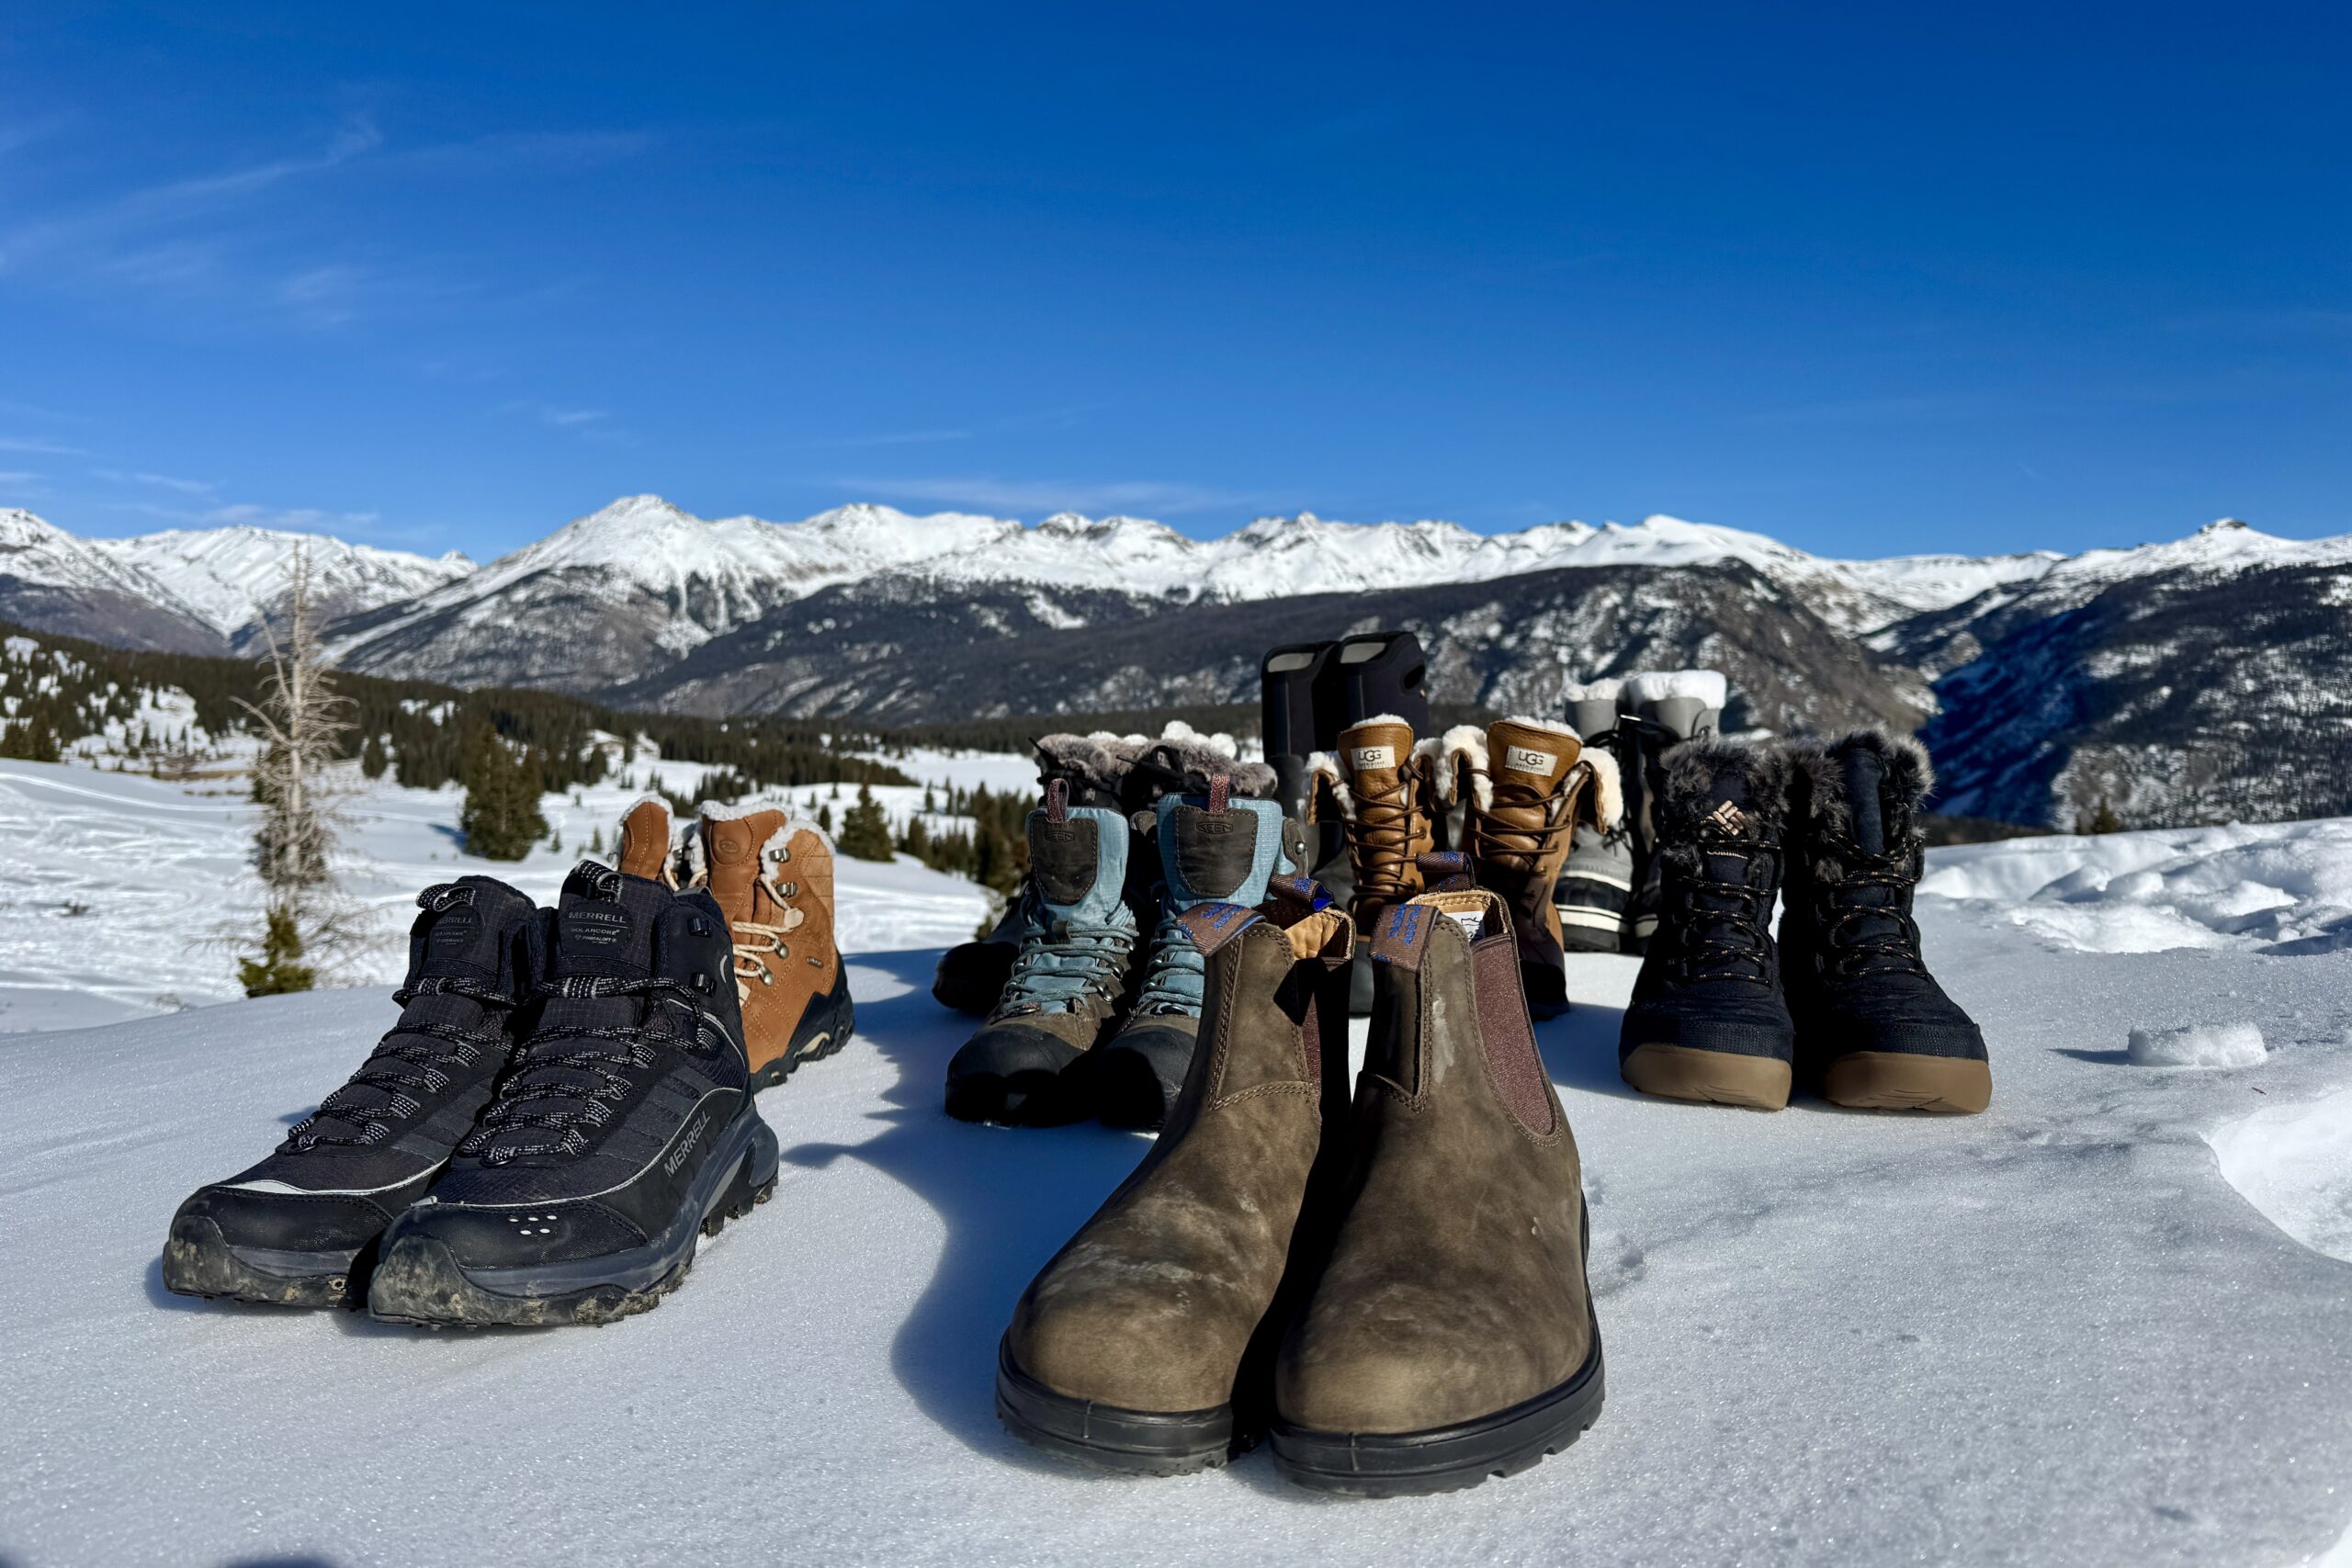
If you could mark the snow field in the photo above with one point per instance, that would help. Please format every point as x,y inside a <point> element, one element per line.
<point>2198,1046</point>
<point>2102,1324</point>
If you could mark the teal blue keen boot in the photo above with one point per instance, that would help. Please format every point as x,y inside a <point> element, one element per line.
<point>1212,850</point>
<point>1078,941</point>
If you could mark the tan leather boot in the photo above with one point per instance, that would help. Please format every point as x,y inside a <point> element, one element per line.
<point>1524,778</point>
<point>1450,1334</point>
<point>646,844</point>
<point>773,877</point>
<point>1146,1345</point>
<point>1386,788</point>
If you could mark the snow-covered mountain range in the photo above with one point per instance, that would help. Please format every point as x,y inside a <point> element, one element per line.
<point>2049,677</point>
<point>191,589</point>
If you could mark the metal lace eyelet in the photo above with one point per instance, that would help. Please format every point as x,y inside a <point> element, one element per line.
<point>701,982</point>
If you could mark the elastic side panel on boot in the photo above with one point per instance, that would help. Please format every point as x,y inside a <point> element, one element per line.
<point>1508,1037</point>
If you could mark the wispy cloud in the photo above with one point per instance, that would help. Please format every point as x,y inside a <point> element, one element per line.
<point>1142,496</point>
<point>572,419</point>
<point>163,481</point>
<point>38,445</point>
<point>888,439</point>
<point>17,477</point>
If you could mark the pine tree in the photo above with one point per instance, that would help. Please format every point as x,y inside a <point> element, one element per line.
<point>372,759</point>
<point>500,818</point>
<point>280,969</point>
<point>2105,820</point>
<point>825,817</point>
<point>866,831</point>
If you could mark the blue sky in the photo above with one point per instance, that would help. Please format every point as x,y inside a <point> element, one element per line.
<point>1871,280</point>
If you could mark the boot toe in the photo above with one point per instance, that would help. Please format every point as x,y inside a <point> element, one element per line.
<point>520,1236</point>
<point>1135,1079</point>
<point>287,1221</point>
<point>970,977</point>
<point>1381,1388</point>
<point>1011,1071</point>
<point>1134,1348</point>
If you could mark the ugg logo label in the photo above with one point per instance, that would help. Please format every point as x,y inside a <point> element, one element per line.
<point>1527,760</point>
<point>1373,757</point>
<point>1728,818</point>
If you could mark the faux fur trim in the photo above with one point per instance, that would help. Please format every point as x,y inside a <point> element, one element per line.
<point>1323,767</point>
<point>1607,788</point>
<point>772,850</point>
<point>1462,751</point>
<point>1656,686</point>
<point>1429,755</point>
<point>1691,767</point>
<point>1100,761</point>
<point>1910,776</point>
<point>1606,691</point>
<point>1196,757</point>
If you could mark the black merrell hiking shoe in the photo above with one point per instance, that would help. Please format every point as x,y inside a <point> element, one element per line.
<point>1874,1030</point>
<point>622,1128</point>
<point>1708,1020</point>
<point>300,1229</point>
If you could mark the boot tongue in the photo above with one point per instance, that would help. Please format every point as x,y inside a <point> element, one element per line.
<point>1527,760</point>
<point>1865,772</point>
<point>644,848</point>
<point>1375,753</point>
<point>1212,853</point>
<point>731,849</point>
<point>605,923</point>
<point>1076,868</point>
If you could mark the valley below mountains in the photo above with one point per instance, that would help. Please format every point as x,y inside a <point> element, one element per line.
<point>2204,679</point>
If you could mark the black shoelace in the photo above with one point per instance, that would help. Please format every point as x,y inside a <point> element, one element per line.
<point>1722,921</point>
<point>564,1091</point>
<point>1857,946</point>
<point>405,1071</point>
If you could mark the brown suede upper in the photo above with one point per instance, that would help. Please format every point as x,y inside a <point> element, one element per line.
<point>775,888</point>
<point>1455,1287</point>
<point>1154,1304</point>
<point>642,847</point>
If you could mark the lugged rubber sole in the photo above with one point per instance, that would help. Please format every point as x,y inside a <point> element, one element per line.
<point>1132,1442</point>
<point>1444,1458</point>
<point>420,1283</point>
<point>1713,1077</point>
<point>197,1261</point>
<point>1902,1080</point>
<point>824,1029</point>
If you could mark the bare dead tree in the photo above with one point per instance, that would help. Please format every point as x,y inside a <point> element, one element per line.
<point>310,923</point>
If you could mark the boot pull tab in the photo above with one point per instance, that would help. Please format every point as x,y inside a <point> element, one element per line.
<point>1299,895</point>
<point>1444,871</point>
<point>1057,801</point>
<point>1220,790</point>
<point>1211,926</point>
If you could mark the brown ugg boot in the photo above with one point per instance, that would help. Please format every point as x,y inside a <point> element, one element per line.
<point>1389,794</point>
<point>1523,778</point>
<point>1145,1346</point>
<point>1450,1336</point>
<point>773,877</point>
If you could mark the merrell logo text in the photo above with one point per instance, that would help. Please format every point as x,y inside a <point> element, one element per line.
<point>678,1155</point>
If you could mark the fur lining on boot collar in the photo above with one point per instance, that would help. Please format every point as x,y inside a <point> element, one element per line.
<point>692,866</point>
<point>1099,762</point>
<point>1462,751</point>
<point>1607,788</point>
<point>1656,686</point>
<point>1909,777</point>
<point>1692,767</point>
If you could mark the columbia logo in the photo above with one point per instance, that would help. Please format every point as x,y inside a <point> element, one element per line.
<point>1728,818</point>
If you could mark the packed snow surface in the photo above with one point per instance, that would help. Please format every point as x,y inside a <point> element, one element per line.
<point>2103,1324</point>
<point>2198,1046</point>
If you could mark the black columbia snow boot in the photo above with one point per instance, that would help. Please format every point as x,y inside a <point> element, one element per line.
<point>1708,1020</point>
<point>300,1229</point>
<point>1658,710</point>
<point>1874,1030</point>
<point>622,1129</point>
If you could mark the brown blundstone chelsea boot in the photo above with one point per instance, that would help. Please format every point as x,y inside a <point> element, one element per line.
<point>1525,778</point>
<point>773,877</point>
<point>1146,1345</point>
<point>1450,1336</point>
<point>1389,794</point>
